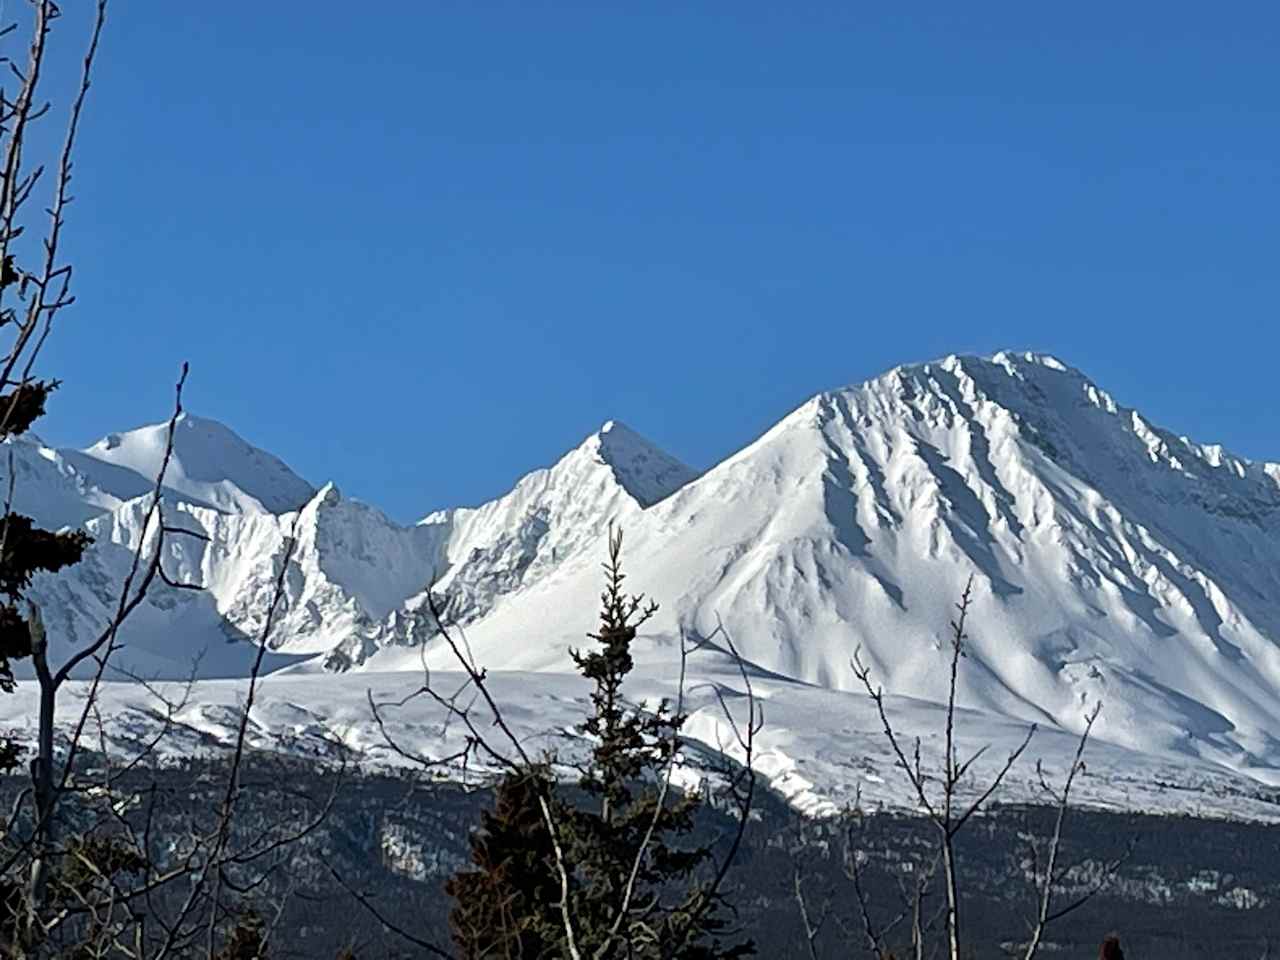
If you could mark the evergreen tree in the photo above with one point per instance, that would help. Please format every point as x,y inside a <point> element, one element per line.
<point>640,894</point>
<point>25,549</point>
<point>634,885</point>
<point>247,940</point>
<point>507,906</point>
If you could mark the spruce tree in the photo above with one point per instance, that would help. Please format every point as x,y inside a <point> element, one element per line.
<point>639,884</point>
<point>507,906</point>
<point>25,549</point>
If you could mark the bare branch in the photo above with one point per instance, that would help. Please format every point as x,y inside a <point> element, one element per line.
<point>942,812</point>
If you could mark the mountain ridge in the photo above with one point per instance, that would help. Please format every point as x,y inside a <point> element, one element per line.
<point>1113,561</point>
<point>876,502</point>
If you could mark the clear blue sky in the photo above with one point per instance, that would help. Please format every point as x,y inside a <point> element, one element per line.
<point>421,248</point>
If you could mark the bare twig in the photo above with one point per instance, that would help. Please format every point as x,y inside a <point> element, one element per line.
<point>943,812</point>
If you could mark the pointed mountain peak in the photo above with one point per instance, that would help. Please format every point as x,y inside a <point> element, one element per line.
<point>644,470</point>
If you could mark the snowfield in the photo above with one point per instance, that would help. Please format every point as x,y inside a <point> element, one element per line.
<point>1113,561</point>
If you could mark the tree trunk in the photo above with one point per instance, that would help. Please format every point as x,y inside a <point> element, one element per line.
<point>42,767</point>
<point>953,907</point>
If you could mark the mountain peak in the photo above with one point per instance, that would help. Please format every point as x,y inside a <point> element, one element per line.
<point>644,470</point>
<point>1111,560</point>
<point>211,464</point>
<point>1047,403</point>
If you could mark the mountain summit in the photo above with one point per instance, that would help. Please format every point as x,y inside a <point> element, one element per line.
<point>353,571</point>
<point>1112,560</point>
<point>210,464</point>
<point>644,471</point>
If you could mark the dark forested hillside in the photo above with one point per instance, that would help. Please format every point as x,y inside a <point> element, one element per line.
<point>1190,886</point>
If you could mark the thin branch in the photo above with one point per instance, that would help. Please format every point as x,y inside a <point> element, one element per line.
<point>383,919</point>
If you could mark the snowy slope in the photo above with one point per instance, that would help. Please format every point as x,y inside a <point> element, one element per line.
<point>47,485</point>
<point>210,465</point>
<point>350,567</point>
<point>820,748</point>
<point>1112,561</point>
<point>352,570</point>
<point>551,515</point>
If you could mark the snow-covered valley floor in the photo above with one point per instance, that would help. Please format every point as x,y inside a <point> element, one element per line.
<point>820,749</point>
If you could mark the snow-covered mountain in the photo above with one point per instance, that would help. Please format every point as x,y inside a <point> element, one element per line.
<point>488,553</point>
<point>210,465</point>
<point>1112,560</point>
<point>352,570</point>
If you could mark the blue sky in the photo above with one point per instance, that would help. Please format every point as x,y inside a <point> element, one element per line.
<point>421,248</point>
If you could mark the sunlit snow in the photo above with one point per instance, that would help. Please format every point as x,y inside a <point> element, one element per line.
<point>1113,560</point>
